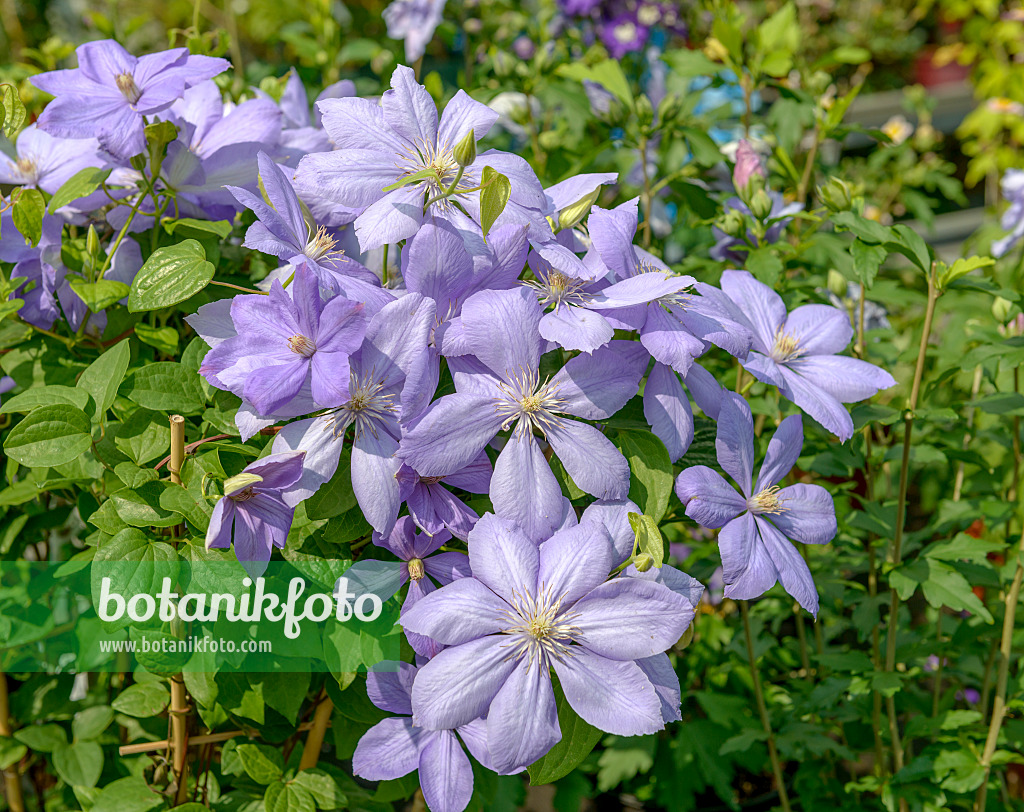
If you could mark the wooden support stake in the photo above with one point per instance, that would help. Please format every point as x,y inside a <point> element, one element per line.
<point>315,737</point>
<point>12,780</point>
<point>179,697</point>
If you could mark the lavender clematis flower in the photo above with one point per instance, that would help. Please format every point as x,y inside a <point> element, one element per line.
<point>388,385</point>
<point>624,34</point>
<point>1012,187</point>
<point>500,388</point>
<point>301,131</point>
<point>395,746</point>
<point>434,508</point>
<point>45,162</point>
<point>415,22</point>
<point>207,125</point>
<point>110,92</point>
<point>667,409</point>
<point>285,343</point>
<point>676,327</point>
<point>758,523</point>
<point>39,266</point>
<point>284,231</point>
<point>381,145</point>
<point>527,610</point>
<point>421,565</point>
<point>797,352</point>
<point>253,512</point>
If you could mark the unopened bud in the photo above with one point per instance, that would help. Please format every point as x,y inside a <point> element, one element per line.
<point>465,151</point>
<point>644,111</point>
<point>643,562</point>
<point>732,224</point>
<point>760,204</point>
<point>686,639</point>
<point>1001,309</point>
<point>573,214</point>
<point>715,51</point>
<point>669,108</point>
<point>748,167</point>
<point>92,242</point>
<point>837,283</point>
<point>835,195</point>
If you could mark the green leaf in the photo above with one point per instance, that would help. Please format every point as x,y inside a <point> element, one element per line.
<point>144,436</point>
<point>323,787</point>
<point>578,739</point>
<point>79,764</point>
<point>867,259</point>
<point>82,184</point>
<point>104,375</point>
<point>688,63</point>
<point>649,462</point>
<point>142,700</point>
<point>864,229</point>
<point>99,295</point>
<point>913,247</point>
<point>963,547</point>
<point>14,111</point>
<point>165,339</point>
<point>91,722</point>
<point>780,32</point>
<point>170,276</point>
<point>11,752</point>
<point>50,435</point>
<point>336,497</point>
<point>42,738</point>
<point>282,797</point>
<point>261,763</point>
<point>607,74</point>
<point>493,197</point>
<point>166,386</point>
<point>219,228</point>
<point>962,267</point>
<point>130,795</point>
<point>648,537</point>
<point>947,587</point>
<point>51,395</point>
<point>27,214</point>
<point>765,265</point>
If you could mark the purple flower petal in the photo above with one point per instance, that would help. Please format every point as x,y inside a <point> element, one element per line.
<point>596,386</point>
<point>848,380</point>
<point>613,696</point>
<point>819,329</point>
<point>503,558</point>
<point>762,307</point>
<point>667,410</point>
<point>522,722</point>
<point>817,403</point>
<point>502,328</point>
<point>462,611</point>
<point>783,450</point>
<point>792,569</point>
<point>374,466</point>
<point>391,690</point>
<point>748,570</point>
<point>560,561</point>
<point>576,328</point>
<point>809,514</point>
<point>451,434</point>
<point>709,500</point>
<point>389,749</point>
<point>659,671</point>
<point>589,457</point>
<point>523,488</point>
<point>446,776</point>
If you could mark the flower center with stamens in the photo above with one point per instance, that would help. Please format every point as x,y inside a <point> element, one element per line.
<point>542,632</point>
<point>786,347</point>
<point>27,167</point>
<point>301,345</point>
<point>242,496</point>
<point>560,289</point>
<point>367,406</point>
<point>415,566</point>
<point>626,32</point>
<point>320,245</point>
<point>767,501</point>
<point>126,84</point>
<point>430,480</point>
<point>529,404</point>
<point>439,159</point>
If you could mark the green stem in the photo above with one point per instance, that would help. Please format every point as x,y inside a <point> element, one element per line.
<point>896,552</point>
<point>238,287</point>
<point>384,263</point>
<point>647,197</point>
<point>763,710</point>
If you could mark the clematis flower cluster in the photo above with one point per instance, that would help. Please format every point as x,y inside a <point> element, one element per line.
<point>474,374</point>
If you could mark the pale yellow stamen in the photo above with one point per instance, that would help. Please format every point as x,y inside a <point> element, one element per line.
<point>767,501</point>
<point>126,84</point>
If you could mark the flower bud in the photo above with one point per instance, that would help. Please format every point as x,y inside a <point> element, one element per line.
<point>92,242</point>
<point>732,224</point>
<point>670,107</point>
<point>644,111</point>
<point>760,204</point>
<point>465,150</point>
<point>835,195</point>
<point>573,214</point>
<point>715,50</point>
<point>837,283</point>
<point>643,562</point>
<point>686,639</point>
<point>1001,309</point>
<point>748,166</point>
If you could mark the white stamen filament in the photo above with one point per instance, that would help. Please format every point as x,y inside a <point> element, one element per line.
<point>542,633</point>
<point>301,345</point>
<point>767,501</point>
<point>529,403</point>
<point>320,245</point>
<point>786,347</point>
<point>559,289</point>
<point>367,406</point>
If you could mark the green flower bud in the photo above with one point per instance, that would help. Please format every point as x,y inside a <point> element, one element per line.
<point>1001,309</point>
<point>465,150</point>
<point>686,639</point>
<point>644,111</point>
<point>669,108</point>
<point>92,242</point>
<point>732,223</point>
<point>760,204</point>
<point>835,195</point>
<point>643,562</point>
<point>573,214</point>
<point>837,283</point>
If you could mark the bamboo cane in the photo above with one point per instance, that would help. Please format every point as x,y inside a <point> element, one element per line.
<point>12,781</point>
<point>179,697</point>
<point>315,738</point>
